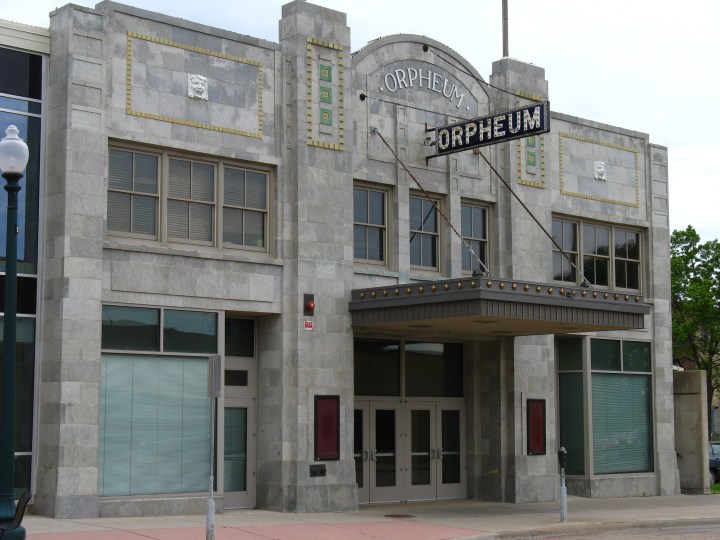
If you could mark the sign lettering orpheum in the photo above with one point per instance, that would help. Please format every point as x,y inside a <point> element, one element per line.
<point>523,122</point>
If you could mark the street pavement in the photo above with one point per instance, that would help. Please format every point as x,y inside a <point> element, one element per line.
<point>438,520</point>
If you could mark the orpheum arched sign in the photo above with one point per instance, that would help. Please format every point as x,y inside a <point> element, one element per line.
<point>496,128</point>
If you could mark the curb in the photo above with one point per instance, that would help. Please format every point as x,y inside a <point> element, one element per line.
<point>574,529</point>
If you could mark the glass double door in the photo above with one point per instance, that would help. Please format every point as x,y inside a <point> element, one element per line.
<point>410,450</point>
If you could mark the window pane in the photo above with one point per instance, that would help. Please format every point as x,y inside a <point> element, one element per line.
<point>233,226</point>
<point>433,369</point>
<point>589,245</point>
<point>178,219</point>
<point>120,170</point>
<point>569,242</point>
<point>256,190</point>
<point>360,205</point>
<point>130,328</point>
<point>602,237</point>
<point>572,421</point>
<point>179,178</point>
<point>203,182</point>
<point>234,186</point>
<point>570,357</point>
<point>22,74</point>
<point>377,208</point>
<point>466,225</point>
<point>429,250</point>
<point>201,222</point>
<point>415,239</point>
<point>478,229</point>
<point>118,218</point>
<point>240,337</point>
<point>146,173</point>
<point>144,214</point>
<point>605,354</point>
<point>429,217</point>
<point>236,433</point>
<point>636,356</point>
<point>154,425</point>
<point>190,331</point>
<point>375,247</point>
<point>633,246</point>
<point>621,244</point>
<point>24,380</point>
<point>359,242</point>
<point>557,227</point>
<point>633,275</point>
<point>416,214</point>
<point>377,367</point>
<point>601,272</point>
<point>254,229</point>
<point>622,423</point>
<point>451,447</point>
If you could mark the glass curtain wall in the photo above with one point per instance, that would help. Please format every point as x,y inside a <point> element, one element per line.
<point>21,95</point>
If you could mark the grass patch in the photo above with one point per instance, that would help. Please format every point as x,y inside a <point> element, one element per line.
<point>715,489</point>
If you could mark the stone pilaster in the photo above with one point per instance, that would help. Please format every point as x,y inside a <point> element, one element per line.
<point>75,202</point>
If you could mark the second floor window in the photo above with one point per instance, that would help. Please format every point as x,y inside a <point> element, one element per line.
<point>423,233</point>
<point>141,197</point>
<point>369,224</point>
<point>607,256</point>
<point>474,232</point>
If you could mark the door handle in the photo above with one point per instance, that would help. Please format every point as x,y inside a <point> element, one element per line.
<point>366,455</point>
<point>432,454</point>
<point>372,455</point>
<point>439,453</point>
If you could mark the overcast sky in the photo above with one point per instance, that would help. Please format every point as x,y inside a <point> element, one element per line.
<point>644,65</point>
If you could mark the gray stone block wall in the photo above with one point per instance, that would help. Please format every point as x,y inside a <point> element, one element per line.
<point>313,167</point>
<point>66,484</point>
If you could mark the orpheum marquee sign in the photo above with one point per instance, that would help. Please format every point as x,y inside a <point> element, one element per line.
<point>496,128</point>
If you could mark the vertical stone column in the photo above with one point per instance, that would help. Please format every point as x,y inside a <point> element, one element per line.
<point>75,200</point>
<point>527,251</point>
<point>316,183</point>
<point>659,291</point>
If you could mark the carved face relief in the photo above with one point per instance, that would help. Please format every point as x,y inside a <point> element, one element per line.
<point>197,87</point>
<point>600,173</point>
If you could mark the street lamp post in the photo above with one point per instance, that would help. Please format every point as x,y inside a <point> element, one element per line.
<point>13,160</point>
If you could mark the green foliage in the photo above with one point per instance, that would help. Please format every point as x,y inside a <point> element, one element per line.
<point>695,297</point>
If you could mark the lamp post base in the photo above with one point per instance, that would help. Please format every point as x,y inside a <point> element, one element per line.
<point>15,534</point>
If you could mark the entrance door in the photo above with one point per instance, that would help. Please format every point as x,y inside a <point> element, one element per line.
<point>409,451</point>
<point>436,457</point>
<point>451,462</point>
<point>237,440</point>
<point>377,455</point>
<point>239,453</point>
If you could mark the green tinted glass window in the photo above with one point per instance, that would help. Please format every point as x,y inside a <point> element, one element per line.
<point>605,354</point>
<point>377,368</point>
<point>433,369</point>
<point>130,328</point>
<point>570,354</point>
<point>190,331</point>
<point>636,356</point>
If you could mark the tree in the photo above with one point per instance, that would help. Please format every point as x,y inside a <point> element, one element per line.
<point>695,297</point>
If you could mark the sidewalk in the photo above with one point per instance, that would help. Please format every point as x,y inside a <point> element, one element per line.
<point>441,520</point>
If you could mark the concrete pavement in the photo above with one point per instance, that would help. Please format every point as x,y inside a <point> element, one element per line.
<point>441,520</point>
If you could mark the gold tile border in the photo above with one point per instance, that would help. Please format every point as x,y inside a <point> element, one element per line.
<point>524,181</point>
<point>128,86</point>
<point>309,56</point>
<point>635,204</point>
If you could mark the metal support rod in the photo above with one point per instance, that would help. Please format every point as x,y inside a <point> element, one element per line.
<point>563,497</point>
<point>7,403</point>
<point>506,40</point>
